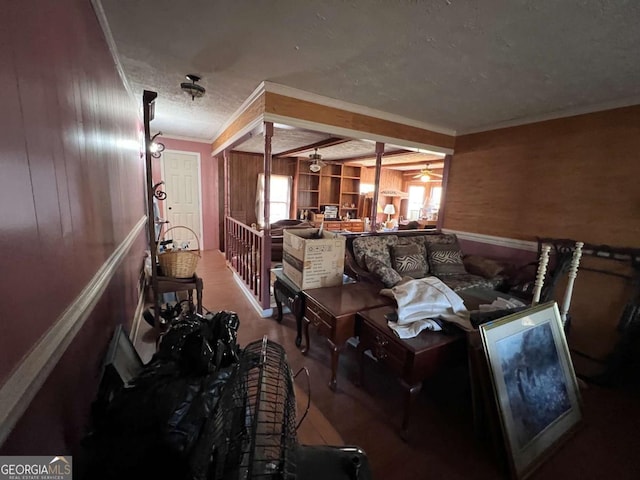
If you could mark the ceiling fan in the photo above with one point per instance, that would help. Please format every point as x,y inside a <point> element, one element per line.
<point>316,162</point>
<point>427,175</point>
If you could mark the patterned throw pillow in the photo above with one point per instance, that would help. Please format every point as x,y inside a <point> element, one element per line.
<point>376,246</point>
<point>409,260</point>
<point>441,238</point>
<point>386,274</point>
<point>445,259</point>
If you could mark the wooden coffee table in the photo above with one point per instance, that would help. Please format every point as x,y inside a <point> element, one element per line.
<point>332,310</point>
<point>412,360</point>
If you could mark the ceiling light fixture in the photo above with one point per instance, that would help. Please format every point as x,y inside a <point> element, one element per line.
<point>192,89</point>
<point>316,162</point>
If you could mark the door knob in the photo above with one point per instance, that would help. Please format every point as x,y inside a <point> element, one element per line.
<point>170,208</point>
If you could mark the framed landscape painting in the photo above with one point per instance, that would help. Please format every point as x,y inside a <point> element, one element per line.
<point>534,383</point>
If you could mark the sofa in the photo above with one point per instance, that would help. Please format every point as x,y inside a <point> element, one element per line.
<point>383,259</point>
<point>277,235</point>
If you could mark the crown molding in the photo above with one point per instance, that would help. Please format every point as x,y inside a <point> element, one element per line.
<point>108,36</point>
<point>259,90</point>
<point>238,135</point>
<point>568,112</point>
<point>187,139</point>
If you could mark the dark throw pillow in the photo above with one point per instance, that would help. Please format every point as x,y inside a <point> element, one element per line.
<point>445,259</point>
<point>409,260</point>
<point>386,274</point>
<point>485,267</point>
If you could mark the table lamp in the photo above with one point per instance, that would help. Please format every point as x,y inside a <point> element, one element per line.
<point>389,209</point>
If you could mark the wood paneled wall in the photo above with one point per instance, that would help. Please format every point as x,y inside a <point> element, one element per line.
<point>244,170</point>
<point>72,189</point>
<point>389,180</point>
<point>574,177</point>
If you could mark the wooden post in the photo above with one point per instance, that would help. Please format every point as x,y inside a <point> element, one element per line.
<point>374,206</point>
<point>542,271</point>
<point>294,207</point>
<point>227,200</point>
<point>443,194</point>
<point>265,274</point>
<point>573,273</point>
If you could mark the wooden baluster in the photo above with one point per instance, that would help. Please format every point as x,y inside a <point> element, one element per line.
<point>246,257</point>
<point>254,266</point>
<point>573,273</point>
<point>257,290</point>
<point>542,271</point>
<point>236,248</point>
<point>234,242</point>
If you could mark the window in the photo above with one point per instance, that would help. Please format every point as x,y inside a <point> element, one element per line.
<point>416,200</point>
<point>279,201</point>
<point>367,188</point>
<point>434,199</point>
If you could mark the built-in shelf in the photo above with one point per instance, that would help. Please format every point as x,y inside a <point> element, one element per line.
<point>334,185</point>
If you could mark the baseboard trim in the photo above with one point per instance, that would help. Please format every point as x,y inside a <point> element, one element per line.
<point>264,313</point>
<point>498,241</point>
<point>137,316</point>
<point>25,381</point>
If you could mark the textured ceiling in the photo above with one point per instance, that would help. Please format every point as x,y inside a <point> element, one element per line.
<point>283,140</point>
<point>460,65</point>
<point>286,139</point>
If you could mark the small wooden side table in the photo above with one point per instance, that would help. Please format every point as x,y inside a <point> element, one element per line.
<point>171,284</point>
<point>332,310</point>
<point>412,359</point>
<point>285,291</point>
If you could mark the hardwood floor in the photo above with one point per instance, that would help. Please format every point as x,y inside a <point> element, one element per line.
<point>442,441</point>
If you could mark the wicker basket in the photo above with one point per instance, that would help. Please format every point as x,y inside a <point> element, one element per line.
<point>179,263</point>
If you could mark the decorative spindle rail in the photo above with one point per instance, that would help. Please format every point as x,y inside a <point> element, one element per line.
<point>243,252</point>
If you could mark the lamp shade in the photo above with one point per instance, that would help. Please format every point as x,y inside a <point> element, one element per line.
<point>389,209</point>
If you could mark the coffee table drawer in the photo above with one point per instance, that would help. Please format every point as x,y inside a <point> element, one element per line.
<point>319,319</point>
<point>383,348</point>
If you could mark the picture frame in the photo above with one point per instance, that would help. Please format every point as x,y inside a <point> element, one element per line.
<point>534,384</point>
<point>120,366</point>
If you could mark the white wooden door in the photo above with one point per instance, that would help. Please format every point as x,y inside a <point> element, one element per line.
<point>181,173</point>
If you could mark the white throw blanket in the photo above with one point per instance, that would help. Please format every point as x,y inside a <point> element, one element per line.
<point>424,298</point>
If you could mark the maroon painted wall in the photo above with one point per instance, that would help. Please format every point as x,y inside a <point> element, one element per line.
<point>209,186</point>
<point>72,184</point>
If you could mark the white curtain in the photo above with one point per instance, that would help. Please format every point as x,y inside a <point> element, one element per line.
<point>280,193</point>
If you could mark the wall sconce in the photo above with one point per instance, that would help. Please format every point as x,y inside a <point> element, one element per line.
<point>156,148</point>
<point>389,209</point>
<point>159,194</point>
